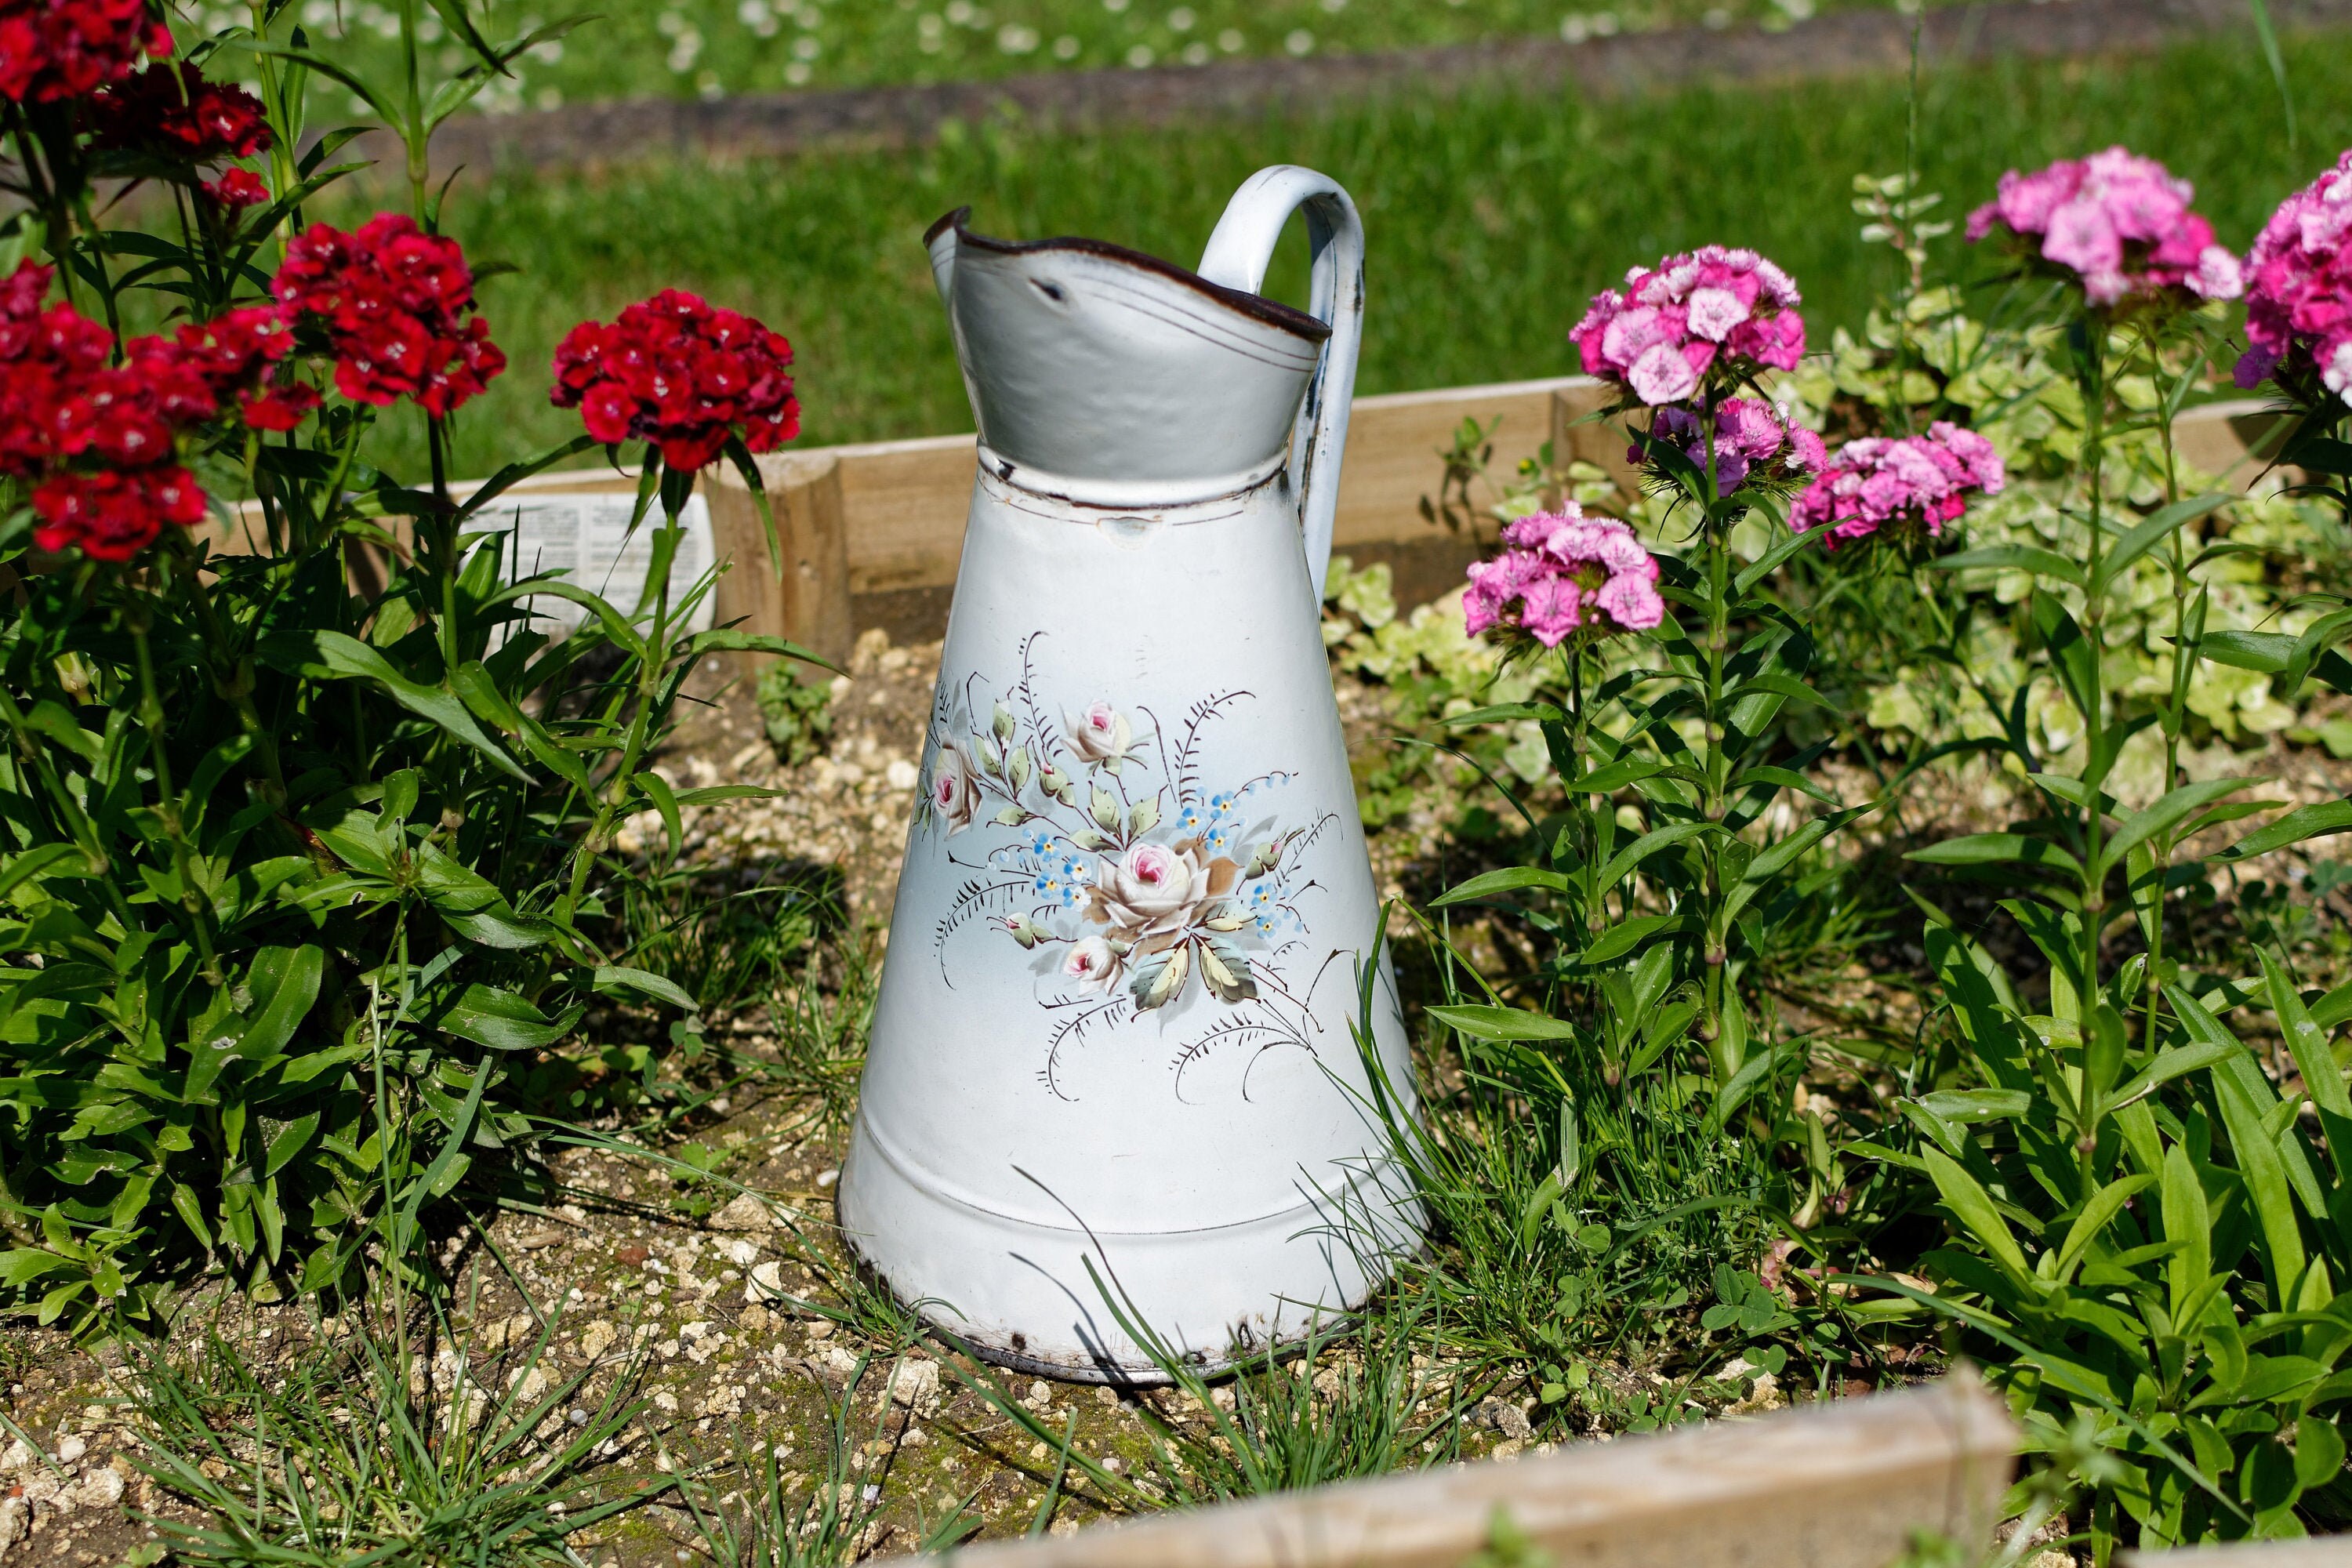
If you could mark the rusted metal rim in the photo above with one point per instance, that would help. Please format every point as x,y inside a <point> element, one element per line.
<point>1274,313</point>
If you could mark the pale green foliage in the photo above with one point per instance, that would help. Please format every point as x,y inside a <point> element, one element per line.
<point>2003,376</point>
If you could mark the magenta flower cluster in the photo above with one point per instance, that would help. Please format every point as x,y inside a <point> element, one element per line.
<point>1917,482</point>
<point>1561,572</point>
<point>2118,223</point>
<point>2299,287</point>
<point>1713,309</point>
<point>1750,438</point>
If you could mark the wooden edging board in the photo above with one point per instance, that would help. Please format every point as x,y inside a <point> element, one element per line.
<point>1844,1484</point>
<point>872,533</point>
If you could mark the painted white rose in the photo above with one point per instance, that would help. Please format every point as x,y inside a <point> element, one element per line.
<point>1091,964</point>
<point>1153,889</point>
<point>954,789</point>
<point>1101,734</point>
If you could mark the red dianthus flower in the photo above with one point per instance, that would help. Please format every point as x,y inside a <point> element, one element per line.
<point>173,112</point>
<point>53,50</point>
<point>113,514</point>
<point>236,190</point>
<point>98,440</point>
<point>681,374</point>
<point>396,307</point>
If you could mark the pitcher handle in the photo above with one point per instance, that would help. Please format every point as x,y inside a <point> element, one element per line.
<point>1238,252</point>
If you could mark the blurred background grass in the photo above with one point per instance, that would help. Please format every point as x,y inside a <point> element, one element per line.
<point>1491,218</point>
<point>712,47</point>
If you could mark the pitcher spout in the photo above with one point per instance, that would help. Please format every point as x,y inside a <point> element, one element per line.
<point>1090,361</point>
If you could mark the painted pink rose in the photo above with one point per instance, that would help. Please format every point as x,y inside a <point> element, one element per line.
<point>1153,888</point>
<point>954,788</point>
<point>1091,964</point>
<point>1101,734</point>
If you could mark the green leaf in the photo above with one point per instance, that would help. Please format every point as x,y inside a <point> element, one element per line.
<point>289,1141</point>
<point>711,794</point>
<point>285,982</point>
<point>2322,1078</point>
<point>1509,880</point>
<point>1649,844</point>
<point>2304,822</point>
<point>2175,806</point>
<point>1483,1023</point>
<point>1225,970</point>
<point>1975,1211</point>
<point>657,789</point>
<point>613,979</point>
<point>731,639</point>
<point>2319,1451</point>
<point>2103,1207</point>
<point>66,860</point>
<point>1978,1104</point>
<point>1610,777</point>
<point>333,656</point>
<point>500,927</point>
<point>51,719</point>
<point>19,1266</point>
<point>2267,652</point>
<point>503,1021</point>
<point>2147,535</point>
<point>1626,935</point>
<point>2172,1062</point>
<point>190,1213</point>
<point>2012,558</point>
<point>1996,848</point>
<point>748,467</point>
<point>1770,561</point>
<point>2072,656</point>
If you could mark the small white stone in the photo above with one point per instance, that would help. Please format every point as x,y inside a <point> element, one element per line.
<point>99,1489</point>
<point>826,1178</point>
<point>72,1449</point>
<point>916,1383</point>
<point>743,1212</point>
<point>767,1283</point>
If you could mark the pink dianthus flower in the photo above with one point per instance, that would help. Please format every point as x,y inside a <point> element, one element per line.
<point>1563,573</point>
<point>1899,483</point>
<point>1715,310</point>
<point>2117,223</point>
<point>2299,289</point>
<point>1750,438</point>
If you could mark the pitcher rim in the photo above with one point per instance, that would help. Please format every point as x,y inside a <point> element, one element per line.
<point>1273,312</point>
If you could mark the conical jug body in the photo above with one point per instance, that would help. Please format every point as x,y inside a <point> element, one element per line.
<point>1115,1056</point>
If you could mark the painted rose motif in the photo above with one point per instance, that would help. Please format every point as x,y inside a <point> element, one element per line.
<point>1120,875</point>
<point>954,792</point>
<point>1092,963</point>
<point>1102,734</point>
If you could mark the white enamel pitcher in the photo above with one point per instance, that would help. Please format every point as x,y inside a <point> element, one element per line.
<point>1116,1021</point>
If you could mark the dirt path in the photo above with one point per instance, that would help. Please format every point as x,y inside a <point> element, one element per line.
<point>1846,43</point>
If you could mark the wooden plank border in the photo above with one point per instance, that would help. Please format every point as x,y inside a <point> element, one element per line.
<point>1846,1484</point>
<point>872,533</point>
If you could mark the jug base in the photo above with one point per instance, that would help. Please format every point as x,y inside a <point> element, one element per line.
<point>1216,1296</point>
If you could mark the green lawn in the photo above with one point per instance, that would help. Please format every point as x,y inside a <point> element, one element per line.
<point>1490,219</point>
<point>682,47</point>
